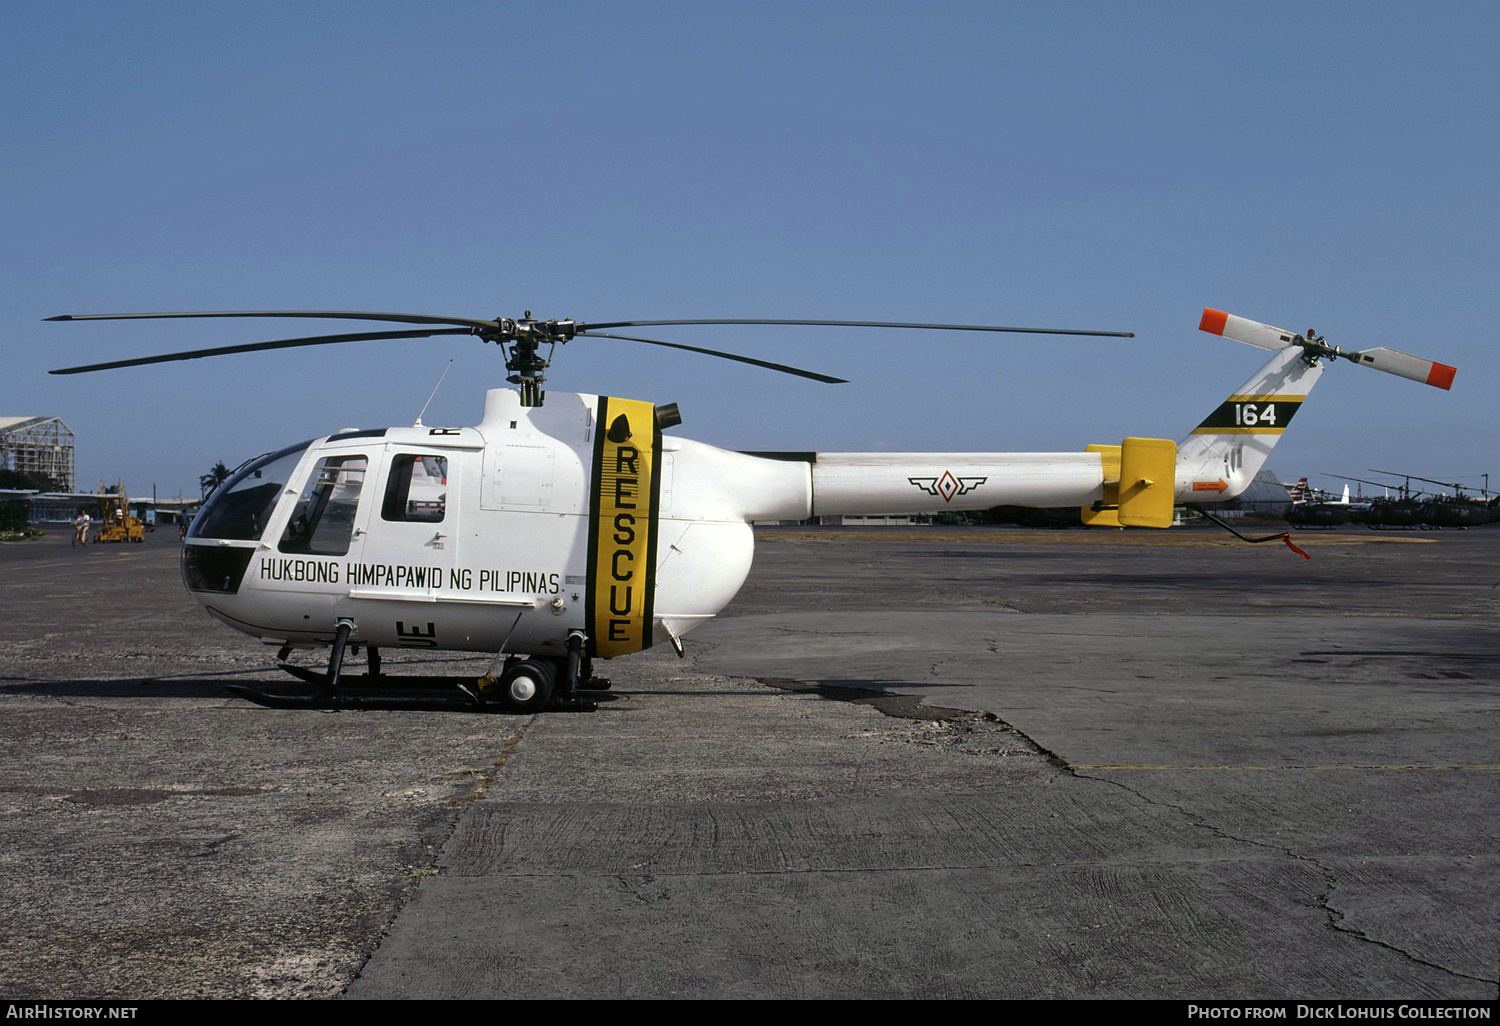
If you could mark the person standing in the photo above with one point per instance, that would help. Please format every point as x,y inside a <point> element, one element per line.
<point>81,528</point>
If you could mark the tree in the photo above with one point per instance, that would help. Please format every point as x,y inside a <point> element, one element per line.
<point>215,477</point>
<point>27,479</point>
<point>12,516</point>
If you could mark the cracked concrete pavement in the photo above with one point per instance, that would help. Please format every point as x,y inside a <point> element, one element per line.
<point>1058,769</point>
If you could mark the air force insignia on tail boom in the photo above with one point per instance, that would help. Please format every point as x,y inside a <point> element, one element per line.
<point>947,486</point>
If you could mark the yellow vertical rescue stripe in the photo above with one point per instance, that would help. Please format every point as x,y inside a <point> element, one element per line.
<point>622,527</point>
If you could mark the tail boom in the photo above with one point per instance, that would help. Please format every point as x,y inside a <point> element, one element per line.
<point>1135,483</point>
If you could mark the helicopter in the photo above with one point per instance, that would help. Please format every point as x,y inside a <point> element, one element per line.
<point>1382,511</point>
<point>1312,507</point>
<point>563,529</point>
<point>1451,510</point>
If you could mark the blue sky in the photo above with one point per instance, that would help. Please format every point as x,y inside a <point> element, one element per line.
<point>1117,166</point>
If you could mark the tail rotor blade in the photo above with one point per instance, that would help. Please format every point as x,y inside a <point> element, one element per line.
<point>1404,365</point>
<point>1242,329</point>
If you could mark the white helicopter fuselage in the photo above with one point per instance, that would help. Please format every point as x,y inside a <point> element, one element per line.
<point>532,523</point>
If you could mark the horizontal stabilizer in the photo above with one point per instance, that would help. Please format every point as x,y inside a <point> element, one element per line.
<point>1147,472</point>
<point>1138,486</point>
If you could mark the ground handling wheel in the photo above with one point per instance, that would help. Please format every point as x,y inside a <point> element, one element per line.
<point>526,686</point>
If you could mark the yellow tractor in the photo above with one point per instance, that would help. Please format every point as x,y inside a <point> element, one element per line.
<point>116,524</point>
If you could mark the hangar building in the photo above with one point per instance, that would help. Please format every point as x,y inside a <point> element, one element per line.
<point>38,445</point>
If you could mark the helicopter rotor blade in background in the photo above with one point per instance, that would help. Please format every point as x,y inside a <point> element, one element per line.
<point>784,368</point>
<point>1455,485</point>
<point>253,347</point>
<point>335,315</point>
<point>582,327</point>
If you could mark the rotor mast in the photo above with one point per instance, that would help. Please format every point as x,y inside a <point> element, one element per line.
<point>520,342</point>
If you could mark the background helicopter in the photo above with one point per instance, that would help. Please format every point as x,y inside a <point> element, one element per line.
<point>557,531</point>
<point>1313,507</point>
<point>1415,508</point>
<point>1450,510</point>
<point>1402,510</point>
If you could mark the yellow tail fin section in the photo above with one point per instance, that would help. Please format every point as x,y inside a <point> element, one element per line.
<point>1140,484</point>
<point>1148,482</point>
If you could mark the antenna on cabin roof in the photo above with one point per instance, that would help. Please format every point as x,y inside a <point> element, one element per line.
<point>418,422</point>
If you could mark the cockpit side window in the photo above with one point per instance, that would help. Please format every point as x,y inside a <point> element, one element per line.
<point>416,490</point>
<point>322,523</point>
<point>243,504</point>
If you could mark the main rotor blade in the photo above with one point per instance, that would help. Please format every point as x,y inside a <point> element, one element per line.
<point>864,324</point>
<point>727,356</point>
<point>336,315</point>
<point>1377,484</point>
<point>254,347</point>
<point>1414,477</point>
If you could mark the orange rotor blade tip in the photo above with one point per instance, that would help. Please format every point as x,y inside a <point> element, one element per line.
<point>1213,321</point>
<point>1441,375</point>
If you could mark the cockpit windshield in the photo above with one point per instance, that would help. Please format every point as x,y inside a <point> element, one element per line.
<point>242,505</point>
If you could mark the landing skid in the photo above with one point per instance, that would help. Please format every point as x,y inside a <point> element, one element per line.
<point>381,691</point>
<point>352,696</point>
<point>525,685</point>
<point>356,692</point>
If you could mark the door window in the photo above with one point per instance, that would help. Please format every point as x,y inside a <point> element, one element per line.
<point>323,522</point>
<point>416,490</point>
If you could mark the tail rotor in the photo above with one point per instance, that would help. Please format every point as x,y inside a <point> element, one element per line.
<point>1390,361</point>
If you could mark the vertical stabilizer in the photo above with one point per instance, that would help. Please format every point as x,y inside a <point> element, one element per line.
<point>1225,452</point>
